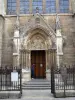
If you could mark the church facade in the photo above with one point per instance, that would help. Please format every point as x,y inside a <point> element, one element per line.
<point>37,32</point>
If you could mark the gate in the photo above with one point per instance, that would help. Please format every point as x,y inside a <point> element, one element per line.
<point>63,81</point>
<point>10,82</point>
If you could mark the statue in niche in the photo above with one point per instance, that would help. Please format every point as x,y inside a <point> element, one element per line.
<point>37,10</point>
<point>59,48</point>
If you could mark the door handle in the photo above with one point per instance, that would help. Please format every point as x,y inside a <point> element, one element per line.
<point>41,65</point>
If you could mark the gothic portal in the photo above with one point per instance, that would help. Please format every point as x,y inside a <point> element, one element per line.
<point>39,32</point>
<point>36,42</point>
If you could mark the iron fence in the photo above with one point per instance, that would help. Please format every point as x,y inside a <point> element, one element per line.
<point>10,81</point>
<point>63,81</point>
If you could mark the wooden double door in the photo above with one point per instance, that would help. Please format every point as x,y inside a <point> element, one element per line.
<point>38,59</point>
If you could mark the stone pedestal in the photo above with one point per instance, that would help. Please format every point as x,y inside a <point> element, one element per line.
<point>26,75</point>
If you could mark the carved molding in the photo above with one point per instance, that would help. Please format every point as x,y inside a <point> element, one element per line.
<point>37,21</point>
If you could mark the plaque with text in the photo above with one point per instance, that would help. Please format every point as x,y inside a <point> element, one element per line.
<point>14,76</point>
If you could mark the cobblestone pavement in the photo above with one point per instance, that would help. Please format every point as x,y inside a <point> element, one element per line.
<point>39,95</point>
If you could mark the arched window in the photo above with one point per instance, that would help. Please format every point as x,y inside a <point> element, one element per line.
<point>24,6</point>
<point>11,6</point>
<point>37,6</point>
<point>50,6</point>
<point>64,6</point>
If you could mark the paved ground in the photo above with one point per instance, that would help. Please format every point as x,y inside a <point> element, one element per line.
<point>39,95</point>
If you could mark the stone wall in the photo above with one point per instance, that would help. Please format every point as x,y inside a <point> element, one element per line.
<point>7,42</point>
<point>68,32</point>
<point>1,36</point>
<point>67,24</point>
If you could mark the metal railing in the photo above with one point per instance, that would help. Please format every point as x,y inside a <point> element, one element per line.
<point>63,81</point>
<point>10,81</point>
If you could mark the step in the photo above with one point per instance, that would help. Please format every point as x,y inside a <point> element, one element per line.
<point>30,83</point>
<point>36,88</point>
<point>37,84</point>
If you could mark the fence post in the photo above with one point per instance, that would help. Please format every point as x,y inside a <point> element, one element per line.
<point>20,81</point>
<point>1,78</point>
<point>64,88</point>
<point>52,80</point>
<point>64,76</point>
<point>73,76</point>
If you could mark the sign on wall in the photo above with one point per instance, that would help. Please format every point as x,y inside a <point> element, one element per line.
<point>14,76</point>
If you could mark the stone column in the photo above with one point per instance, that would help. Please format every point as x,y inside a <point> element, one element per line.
<point>46,60</point>
<point>59,46</point>
<point>53,57</point>
<point>29,60</point>
<point>59,41</point>
<point>49,59</point>
<point>26,74</point>
<point>26,58</point>
<point>16,43</point>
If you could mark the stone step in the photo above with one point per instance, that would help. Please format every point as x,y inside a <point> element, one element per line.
<point>36,84</point>
<point>36,88</point>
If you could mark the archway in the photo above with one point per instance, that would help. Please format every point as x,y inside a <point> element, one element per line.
<point>39,41</point>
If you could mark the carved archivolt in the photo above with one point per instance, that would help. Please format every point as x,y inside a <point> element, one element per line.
<point>37,34</point>
<point>37,21</point>
<point>37,42</point>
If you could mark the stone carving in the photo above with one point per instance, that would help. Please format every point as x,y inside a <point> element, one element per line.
<point>17,24</point>
<point>36,43</point>
<point>58,25</point>
<point>59,48</point>
<point>37,21</point>
<point>37,10</point>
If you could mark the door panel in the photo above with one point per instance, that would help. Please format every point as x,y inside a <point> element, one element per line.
<point>38,58</point>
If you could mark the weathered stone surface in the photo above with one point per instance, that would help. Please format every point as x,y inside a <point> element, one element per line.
<point>67,27</point>
<point>27,22</point>
<point>1,36</point>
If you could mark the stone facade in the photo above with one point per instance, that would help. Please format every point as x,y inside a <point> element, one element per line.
<point>1,36</point>
<point>38,32</point>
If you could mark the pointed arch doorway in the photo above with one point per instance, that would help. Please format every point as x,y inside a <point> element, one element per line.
<point>38,60</point>
<point>36,43</point>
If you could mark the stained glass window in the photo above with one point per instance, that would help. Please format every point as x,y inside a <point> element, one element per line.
<point>64,6</point>
<point>37,6</point>
<point>24,6</point>
<point>11,6</point>
<point>50,6</point>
